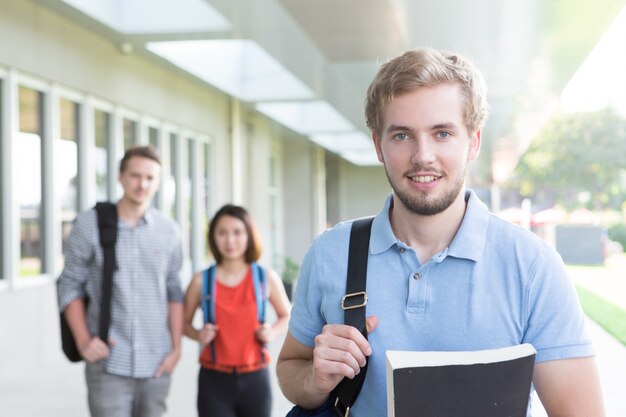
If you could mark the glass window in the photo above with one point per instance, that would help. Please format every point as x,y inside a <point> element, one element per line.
<point>67,166</point>
<point>169,182</point>
<point>29,192</point>
<point>188,194</point>
<point>102,136</point>
<point>206,200</point>
<point>1,187</point>
<point>274,205</point>
<point>130,133</point>
<point>153,134</point>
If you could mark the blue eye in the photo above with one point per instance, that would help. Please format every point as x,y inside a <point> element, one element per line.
<point>443,135</point>
<point>401,137</point>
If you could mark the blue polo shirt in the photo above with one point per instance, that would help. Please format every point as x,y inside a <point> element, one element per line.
<point>496,285</point>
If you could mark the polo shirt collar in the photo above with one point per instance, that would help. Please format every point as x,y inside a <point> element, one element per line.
<point>382,233</point>
<point>468,243</point>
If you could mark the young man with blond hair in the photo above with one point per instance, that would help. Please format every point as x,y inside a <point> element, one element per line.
<point>444,273</point>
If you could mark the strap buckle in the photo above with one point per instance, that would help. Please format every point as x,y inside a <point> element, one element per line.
<point>339,409</point>
<point>347,297</point>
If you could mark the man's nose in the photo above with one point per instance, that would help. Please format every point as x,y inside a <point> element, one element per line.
<point>423,152</point>
<point>144,182</point>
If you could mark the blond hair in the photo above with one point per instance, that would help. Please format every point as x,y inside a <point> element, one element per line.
<point>426,67</point>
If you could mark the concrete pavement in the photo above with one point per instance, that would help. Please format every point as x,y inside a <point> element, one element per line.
<point>55,387</point>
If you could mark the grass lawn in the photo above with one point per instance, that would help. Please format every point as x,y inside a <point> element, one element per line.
<point>602,292</point>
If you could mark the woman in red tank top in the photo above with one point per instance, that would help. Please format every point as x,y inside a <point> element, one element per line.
<point>234,379</point>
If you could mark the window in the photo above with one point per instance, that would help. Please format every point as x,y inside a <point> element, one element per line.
<point>130,133</point>
<point>102,135</point>
<point>2,252</point>
<point>274,211</point>
<point>68,168</point>
<point>27,154</point>
<point>153,136</point>
<point>169,183</point>
<point>189,197</point>
<point>206,198</point>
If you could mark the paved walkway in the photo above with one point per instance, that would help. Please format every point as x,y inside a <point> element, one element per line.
<point>57,389</point>
<point>611,361</point>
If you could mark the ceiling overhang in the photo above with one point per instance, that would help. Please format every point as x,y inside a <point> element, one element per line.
<point>327,52</point>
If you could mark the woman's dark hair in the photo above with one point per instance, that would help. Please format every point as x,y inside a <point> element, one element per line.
<point>253,251</point>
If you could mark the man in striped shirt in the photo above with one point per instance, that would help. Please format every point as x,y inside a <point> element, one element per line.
<point>129,374</point>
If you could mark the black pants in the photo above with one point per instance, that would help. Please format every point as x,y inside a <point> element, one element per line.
<point>234,395</point>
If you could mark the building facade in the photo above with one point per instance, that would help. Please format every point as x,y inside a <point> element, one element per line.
<point>72,101</point>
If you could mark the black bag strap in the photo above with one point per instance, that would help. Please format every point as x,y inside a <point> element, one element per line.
<point>107,228</point>
<point>353,304</point>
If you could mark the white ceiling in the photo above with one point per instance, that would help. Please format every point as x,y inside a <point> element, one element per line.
<point>332,48</point>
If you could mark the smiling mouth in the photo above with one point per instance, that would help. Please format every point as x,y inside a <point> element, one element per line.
<point>424,178</point>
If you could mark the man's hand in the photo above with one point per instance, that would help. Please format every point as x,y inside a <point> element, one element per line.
<point>94,349</point>
<point>340,351</point>
<point>169,363</point>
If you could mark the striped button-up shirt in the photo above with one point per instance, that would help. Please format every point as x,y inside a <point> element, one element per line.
<point>149,259</point>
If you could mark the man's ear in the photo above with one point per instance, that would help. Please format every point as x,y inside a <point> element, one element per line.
<point>376,141</point>
<point>474,149</point>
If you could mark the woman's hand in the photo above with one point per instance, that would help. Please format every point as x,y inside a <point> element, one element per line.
<point>207,334</point>
<point>264,333</point>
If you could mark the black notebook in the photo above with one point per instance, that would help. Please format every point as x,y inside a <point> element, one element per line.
<point>484,383</point>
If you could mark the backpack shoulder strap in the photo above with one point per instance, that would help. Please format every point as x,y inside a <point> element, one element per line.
<point>260,290</point>
<point>208,301</point>
<point>208,294</point>
<point>107,223</point>
<point>353,304</point>
<point>107,229</point>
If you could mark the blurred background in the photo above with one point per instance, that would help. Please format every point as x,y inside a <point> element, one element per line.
<point>260,103</point>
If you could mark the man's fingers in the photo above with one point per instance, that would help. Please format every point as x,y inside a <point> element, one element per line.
<point>343,344</point>
<point>351,333</point>
<point>95,350</point>
<point>335,361</point>
<point>370,323</point>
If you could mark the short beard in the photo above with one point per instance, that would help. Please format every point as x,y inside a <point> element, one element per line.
<point>423,207</point>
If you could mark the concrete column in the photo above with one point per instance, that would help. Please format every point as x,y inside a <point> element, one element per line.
<point>236,151</point>
<point>115,152</point>
<point>10,211</point>
<point>86,155</point>
<point>196,230</point>
<point>319,190</point>
<point>50,199</point>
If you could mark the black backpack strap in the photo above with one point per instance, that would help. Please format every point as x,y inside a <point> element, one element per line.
<point>353,304</point>
<point>107,227</point>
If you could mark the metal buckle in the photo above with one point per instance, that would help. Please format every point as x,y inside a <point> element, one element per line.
<point>338,410</point>
<point>355,294</point>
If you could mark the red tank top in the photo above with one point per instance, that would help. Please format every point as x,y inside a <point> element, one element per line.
<point>236,346</point>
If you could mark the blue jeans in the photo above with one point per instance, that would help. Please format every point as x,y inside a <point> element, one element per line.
<point>118,396</point>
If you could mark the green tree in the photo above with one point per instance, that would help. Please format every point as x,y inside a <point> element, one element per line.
<point>578,159</point>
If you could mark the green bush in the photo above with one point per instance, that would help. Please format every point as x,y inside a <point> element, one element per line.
<point>617,232</point>
<point>290,270</point>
